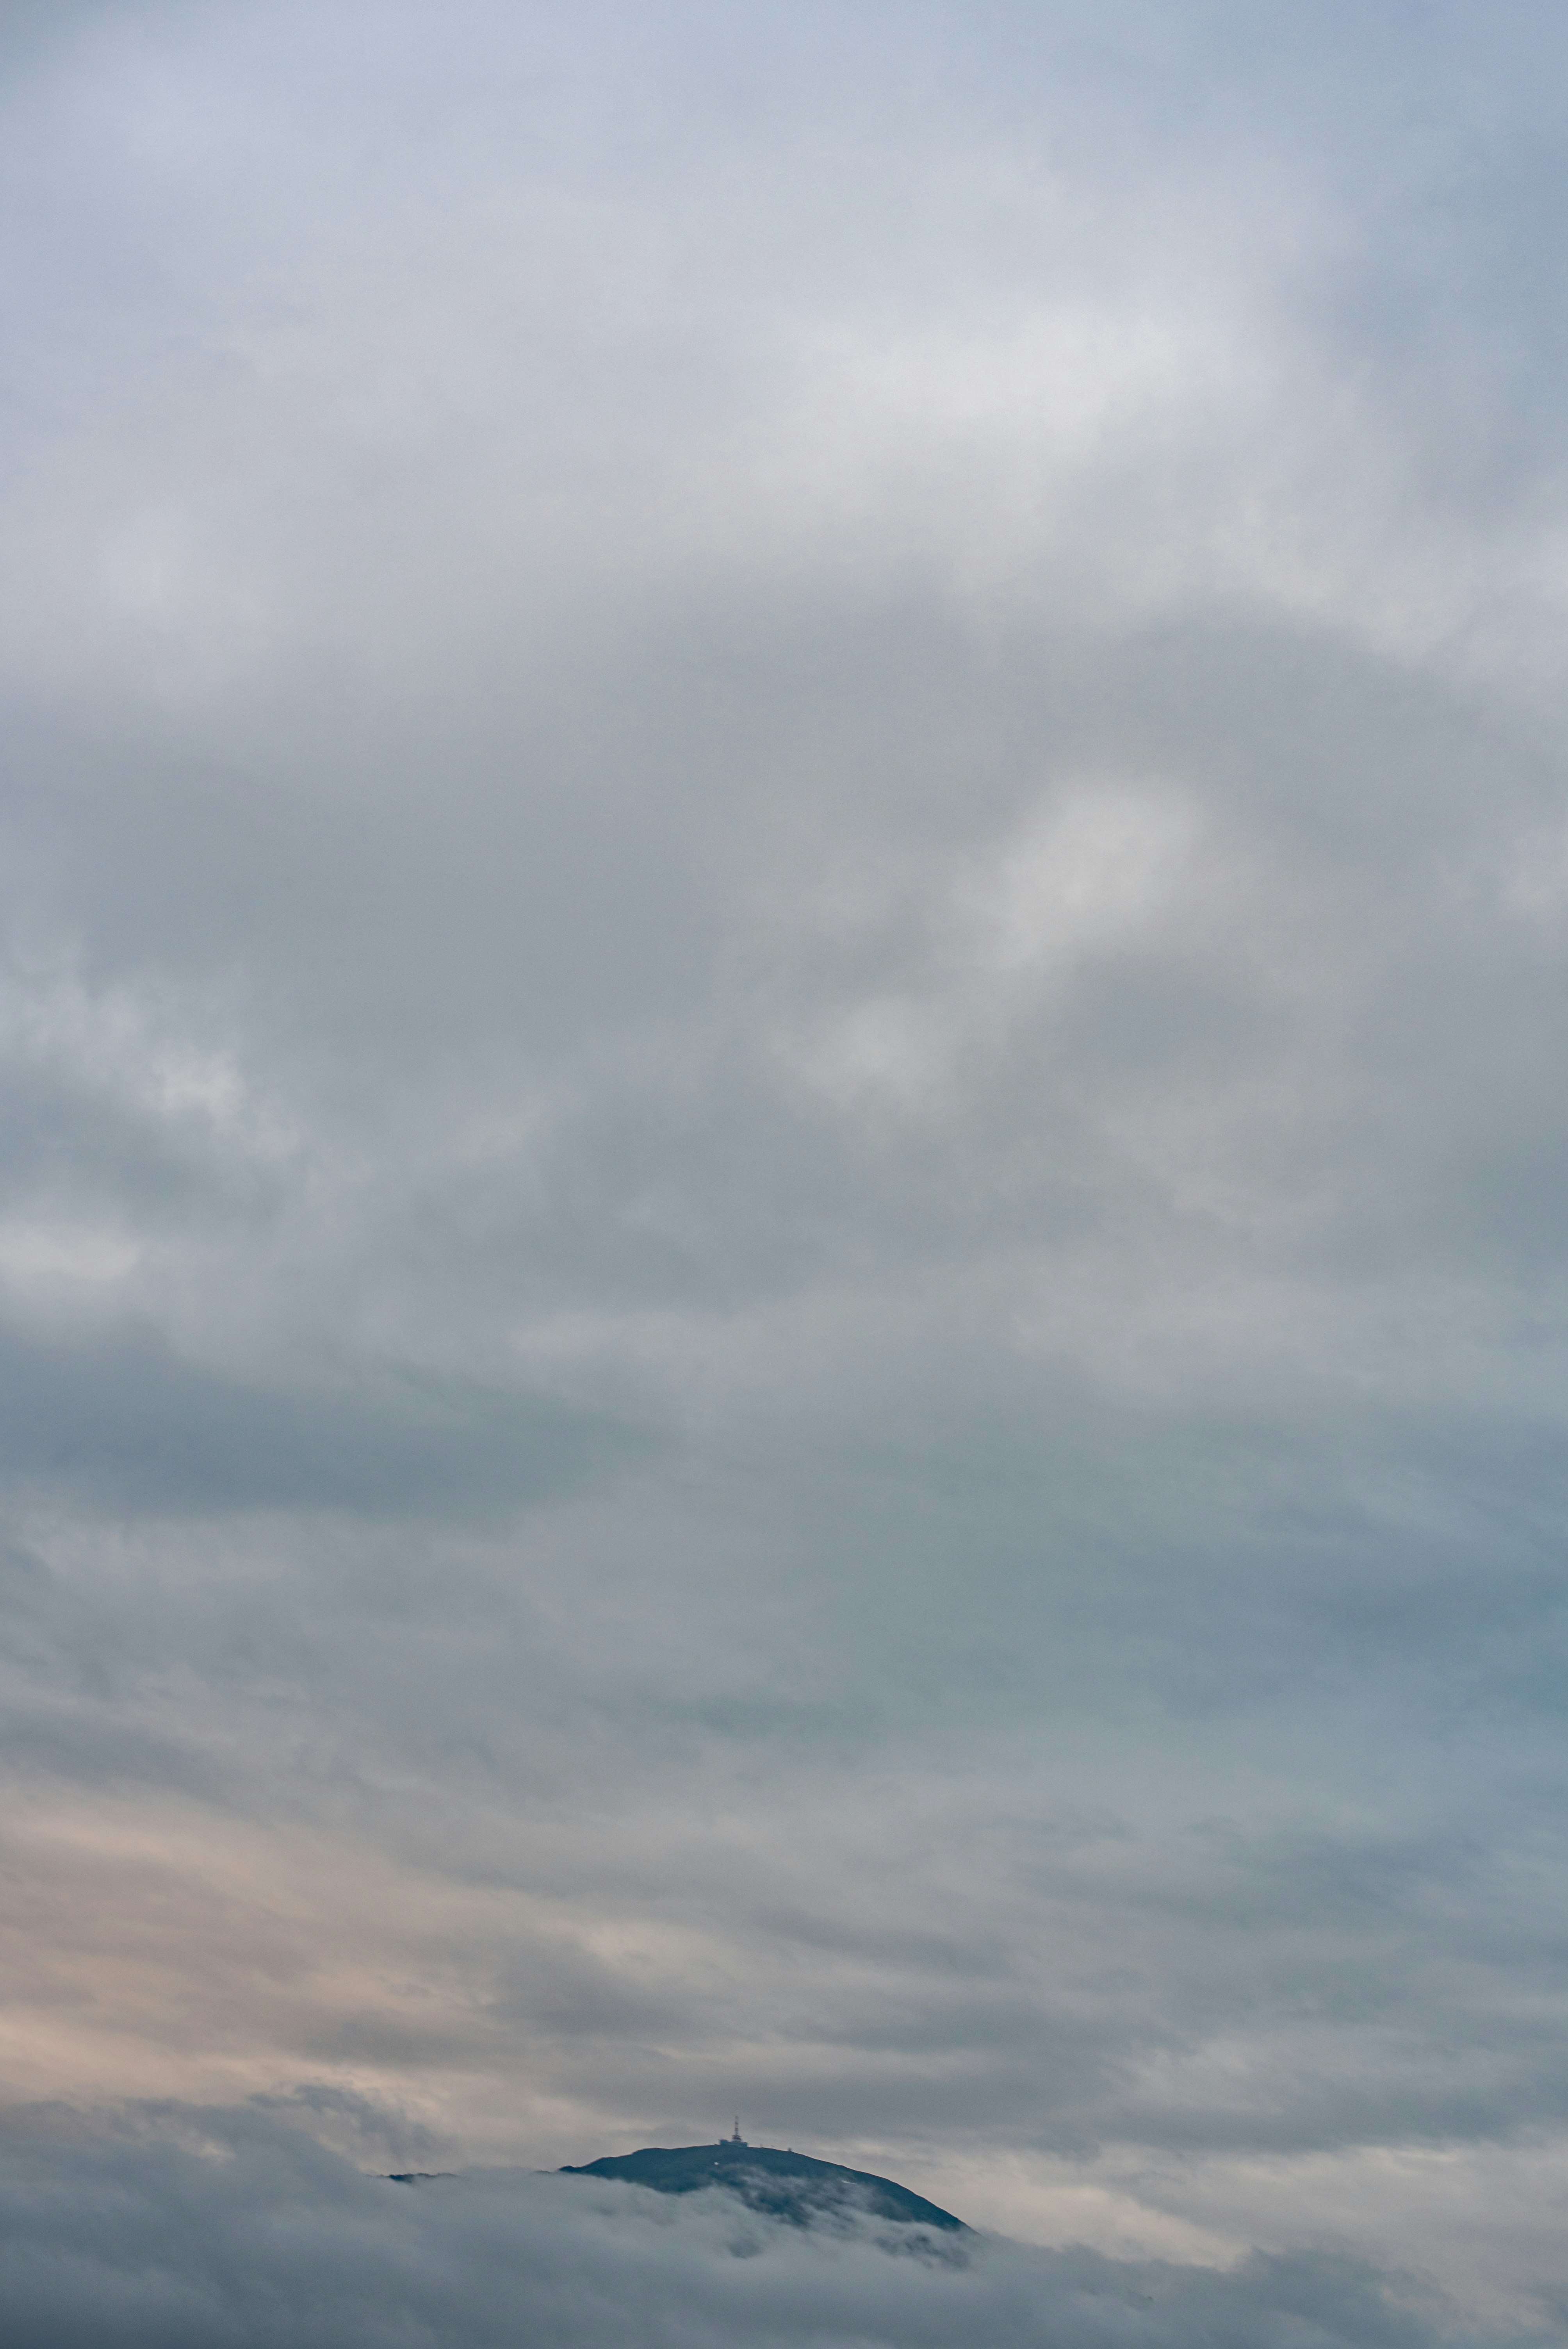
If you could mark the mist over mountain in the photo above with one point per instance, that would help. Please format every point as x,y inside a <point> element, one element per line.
<point>263,2240</point>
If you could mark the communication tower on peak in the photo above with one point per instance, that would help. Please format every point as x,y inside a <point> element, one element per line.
<point>737,2139</point>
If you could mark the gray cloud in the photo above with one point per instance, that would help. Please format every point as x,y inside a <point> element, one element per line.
<point>269,2239</point>
<point>124,1418</point>
<point>781,1289</point>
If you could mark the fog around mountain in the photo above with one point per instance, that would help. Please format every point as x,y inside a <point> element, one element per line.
<point>266,2241</point>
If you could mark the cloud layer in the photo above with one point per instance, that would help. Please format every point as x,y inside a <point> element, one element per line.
<point>781,1274</point>
<point>266,2239</point>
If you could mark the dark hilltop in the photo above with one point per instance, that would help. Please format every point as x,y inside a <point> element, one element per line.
<point>781,2184</point>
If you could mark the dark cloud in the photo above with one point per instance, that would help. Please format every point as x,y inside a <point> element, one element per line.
<point>122,1420</point>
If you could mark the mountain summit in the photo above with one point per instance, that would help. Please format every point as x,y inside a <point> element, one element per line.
<point>781,2184</point>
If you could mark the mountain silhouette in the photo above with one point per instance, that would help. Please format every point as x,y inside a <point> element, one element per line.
<point>781,2184</point>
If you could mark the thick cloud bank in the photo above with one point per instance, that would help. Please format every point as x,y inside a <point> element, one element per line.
<point>783,1281</point>
<point>266,2242</point>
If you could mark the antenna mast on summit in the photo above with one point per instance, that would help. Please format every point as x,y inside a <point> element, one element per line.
<point>737,2139</point>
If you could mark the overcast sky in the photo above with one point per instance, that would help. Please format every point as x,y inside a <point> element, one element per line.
<point>783,1305</point>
